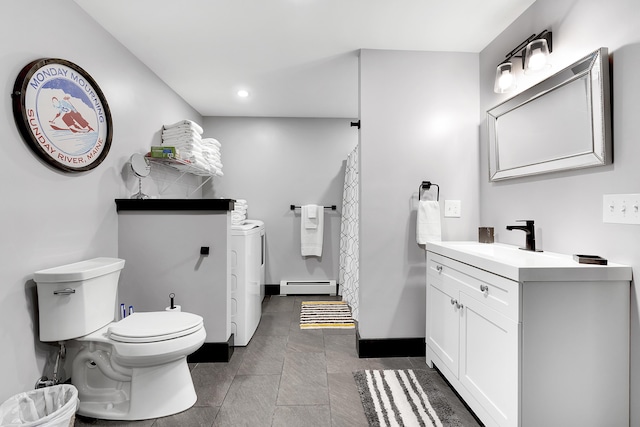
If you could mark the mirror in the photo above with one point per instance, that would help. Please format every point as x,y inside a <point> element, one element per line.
<point>563,122</point>
<point>140,165</point>
<point>141,168</point>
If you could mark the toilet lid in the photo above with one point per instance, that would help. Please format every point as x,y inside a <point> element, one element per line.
<point>154,326</point>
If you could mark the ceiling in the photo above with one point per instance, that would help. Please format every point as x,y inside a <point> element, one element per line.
<point>296,58</point>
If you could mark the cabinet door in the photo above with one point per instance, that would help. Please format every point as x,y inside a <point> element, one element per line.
<point>443,323</point>
<point>489,366</point>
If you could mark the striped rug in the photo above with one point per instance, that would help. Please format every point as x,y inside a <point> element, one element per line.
<point>325,314</point>
<point>403,398</point>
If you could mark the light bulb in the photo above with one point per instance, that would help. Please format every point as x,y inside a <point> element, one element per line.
<point>536,55</point>
<point>537,60</point>
<point>505,80</point>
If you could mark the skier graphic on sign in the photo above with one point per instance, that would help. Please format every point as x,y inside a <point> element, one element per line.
<point>70,116</point>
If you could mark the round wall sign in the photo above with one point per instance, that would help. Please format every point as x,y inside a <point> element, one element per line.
<point>62,114</point>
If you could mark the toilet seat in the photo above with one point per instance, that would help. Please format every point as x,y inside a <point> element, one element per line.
<point>149,327</point>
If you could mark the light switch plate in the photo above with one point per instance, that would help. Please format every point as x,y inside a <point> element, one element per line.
<point>452,208</point>
<point>621,208</point>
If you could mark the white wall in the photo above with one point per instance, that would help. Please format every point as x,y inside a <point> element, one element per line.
<point>567,206</point>
<point>276,162</point>
<point>51,218</point>
<point>419,113</point>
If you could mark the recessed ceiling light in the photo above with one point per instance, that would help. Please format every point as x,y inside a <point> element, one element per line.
<point>243,93</point>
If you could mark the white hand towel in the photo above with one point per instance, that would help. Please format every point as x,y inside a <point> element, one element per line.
<point>428,223</point>
<point>310,216</point>
<point>312,211</point>
<point>311,238</point>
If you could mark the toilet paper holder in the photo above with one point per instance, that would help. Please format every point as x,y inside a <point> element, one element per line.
<point>172,306</point>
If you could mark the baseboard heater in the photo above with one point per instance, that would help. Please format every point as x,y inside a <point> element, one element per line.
<point>307,287</point>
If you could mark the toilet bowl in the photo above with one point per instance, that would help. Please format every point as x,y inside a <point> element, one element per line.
<point>131,369</point>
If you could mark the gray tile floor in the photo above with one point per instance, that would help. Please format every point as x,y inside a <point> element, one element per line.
<point>284,377</point>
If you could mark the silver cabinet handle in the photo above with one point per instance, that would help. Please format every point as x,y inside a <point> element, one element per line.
<point>456,303</point>
<point>66,291</point>
<point>439,268</point>
<point>484,288</point>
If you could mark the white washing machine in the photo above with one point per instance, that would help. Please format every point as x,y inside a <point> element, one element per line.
<point>247,279</point>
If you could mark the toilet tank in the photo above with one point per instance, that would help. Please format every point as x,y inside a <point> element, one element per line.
<point>77,299</point>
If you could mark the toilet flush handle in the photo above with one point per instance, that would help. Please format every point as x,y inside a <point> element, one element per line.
<point>66,291</point>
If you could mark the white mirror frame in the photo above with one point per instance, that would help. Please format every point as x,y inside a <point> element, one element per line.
<point>592,72</point>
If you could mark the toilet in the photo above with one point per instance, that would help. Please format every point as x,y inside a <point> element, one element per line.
<point>129,369</point>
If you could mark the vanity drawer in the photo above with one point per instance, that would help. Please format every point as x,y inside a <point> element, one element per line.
<point>497,292</point>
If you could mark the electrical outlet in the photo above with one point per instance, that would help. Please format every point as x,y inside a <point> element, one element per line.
<point>452,208</point>
<point>621,208</point>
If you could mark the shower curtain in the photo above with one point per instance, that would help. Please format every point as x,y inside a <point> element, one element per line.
<point>349,228</point>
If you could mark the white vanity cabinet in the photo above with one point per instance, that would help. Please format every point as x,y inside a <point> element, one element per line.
<point>472,328</point>
<point>529,339</point>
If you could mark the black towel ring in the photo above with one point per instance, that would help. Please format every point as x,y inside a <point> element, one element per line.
<point>427,185</point>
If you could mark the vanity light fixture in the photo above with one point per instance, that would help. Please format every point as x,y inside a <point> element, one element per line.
<point>534,52</point>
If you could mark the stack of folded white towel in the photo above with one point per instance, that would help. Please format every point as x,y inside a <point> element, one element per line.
<point>186,137</point>
<point>239,213</point>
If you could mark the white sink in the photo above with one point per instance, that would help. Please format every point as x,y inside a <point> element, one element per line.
<point>517,264</point>
<point>508,253</point>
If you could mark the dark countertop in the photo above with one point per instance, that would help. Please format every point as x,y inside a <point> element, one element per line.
<point>174,204</point>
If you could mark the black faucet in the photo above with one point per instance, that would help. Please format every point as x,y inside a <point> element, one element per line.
<point>530,244</point>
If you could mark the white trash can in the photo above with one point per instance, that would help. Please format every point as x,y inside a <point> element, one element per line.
<point>53,406</point>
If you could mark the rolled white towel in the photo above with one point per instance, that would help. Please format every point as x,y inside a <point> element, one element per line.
<point>237,218</point>
<point>212,157</point>
<point>210,152</point>
<point>211,149</point>
<point>198,162</point>
<point>212,141</point>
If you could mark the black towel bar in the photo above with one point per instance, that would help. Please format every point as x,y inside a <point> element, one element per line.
<point>332,207</point>
<point>427,185</point>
